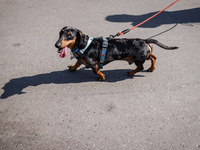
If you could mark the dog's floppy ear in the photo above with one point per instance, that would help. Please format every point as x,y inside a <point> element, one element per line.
<point>82,39</point>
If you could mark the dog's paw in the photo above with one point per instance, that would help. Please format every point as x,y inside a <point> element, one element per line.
<point>72,68</point>
<point>130,73</point>
<point>102,78</point>
<point>151,69</point>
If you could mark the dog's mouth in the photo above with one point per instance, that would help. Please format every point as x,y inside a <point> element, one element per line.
<point>63,51</point>
<point>64,45</point>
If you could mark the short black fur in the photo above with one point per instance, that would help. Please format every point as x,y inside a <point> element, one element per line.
<point>132,50</point>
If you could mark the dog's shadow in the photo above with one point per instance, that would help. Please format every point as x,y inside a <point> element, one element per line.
<point>16,85</point>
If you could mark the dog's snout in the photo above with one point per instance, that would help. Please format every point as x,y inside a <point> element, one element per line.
<point>58,44</point>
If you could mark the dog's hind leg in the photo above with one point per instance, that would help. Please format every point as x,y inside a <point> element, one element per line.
<point>97,71</point>
<point>73,68</point>
<point>140,67</point>
<point>153,61</point>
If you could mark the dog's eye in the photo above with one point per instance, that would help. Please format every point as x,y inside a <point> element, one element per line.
<point>68,34</point>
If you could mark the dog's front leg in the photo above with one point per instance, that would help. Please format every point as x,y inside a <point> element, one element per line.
<point>97,71</point>
<point>73,68</point>
<point>101,75</point>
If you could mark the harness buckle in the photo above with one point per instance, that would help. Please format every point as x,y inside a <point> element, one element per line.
<point>105,43</point>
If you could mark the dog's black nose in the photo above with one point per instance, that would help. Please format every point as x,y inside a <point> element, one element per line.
<point>58,44</point>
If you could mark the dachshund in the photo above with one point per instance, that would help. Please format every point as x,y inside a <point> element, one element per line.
<point>131,50</point>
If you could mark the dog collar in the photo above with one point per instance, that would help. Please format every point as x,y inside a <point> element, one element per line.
<point>79,52</point>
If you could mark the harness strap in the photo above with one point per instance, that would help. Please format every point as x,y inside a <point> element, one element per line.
<point>79,52</point>
<point>103,52</point>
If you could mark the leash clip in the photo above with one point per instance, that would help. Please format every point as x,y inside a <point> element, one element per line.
<point>120,33</point>
<point>112,36</point>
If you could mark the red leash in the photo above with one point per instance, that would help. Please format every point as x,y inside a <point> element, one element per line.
<point>127,30</point>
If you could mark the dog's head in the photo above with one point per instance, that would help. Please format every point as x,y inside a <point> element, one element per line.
<point>72,38</point>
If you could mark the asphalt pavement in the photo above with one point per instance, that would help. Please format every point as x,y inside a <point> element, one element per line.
<point>45,106</point>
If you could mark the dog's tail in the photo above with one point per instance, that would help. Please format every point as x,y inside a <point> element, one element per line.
<point>149,41</point>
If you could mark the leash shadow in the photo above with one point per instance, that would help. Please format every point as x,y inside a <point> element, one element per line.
<point>16,85</point>
<point>187,16</point>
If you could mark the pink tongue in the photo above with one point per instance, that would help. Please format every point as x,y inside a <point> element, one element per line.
<point>63,53</point>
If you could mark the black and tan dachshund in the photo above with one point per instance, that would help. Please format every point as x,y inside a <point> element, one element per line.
<point>132,50</point>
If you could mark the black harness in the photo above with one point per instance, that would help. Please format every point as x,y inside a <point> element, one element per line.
<point>79,52</point>
<point>103,52</point>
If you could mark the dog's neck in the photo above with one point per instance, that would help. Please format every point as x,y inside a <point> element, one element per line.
<point>80,42</point>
